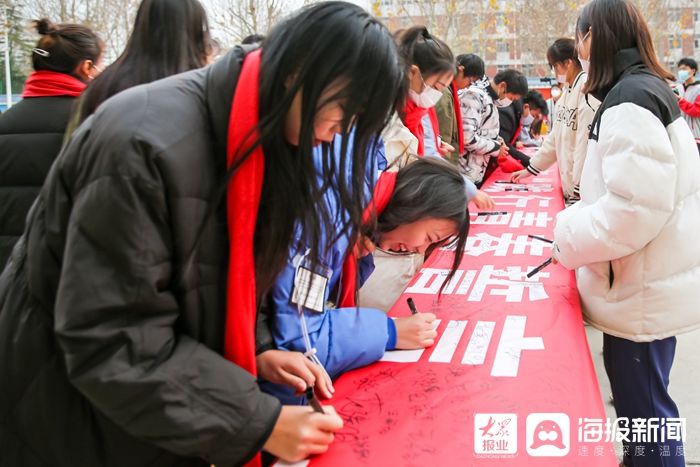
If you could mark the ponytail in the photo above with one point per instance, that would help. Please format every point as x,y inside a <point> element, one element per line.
<point>418,47</point>
<point>62,47</point>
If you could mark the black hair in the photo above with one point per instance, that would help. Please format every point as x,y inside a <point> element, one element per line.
<point>516,82</point>
<point>689,62</point>
<point>473,65</point>
<point>535,100</point>
<point>62,47</point>
<point>418,47</point>
<point>429,188</point>
<point>253,39</point>
<point>329,44</point>
<point>615,25</point>
<point>169,37</point>
<point>562,50</point>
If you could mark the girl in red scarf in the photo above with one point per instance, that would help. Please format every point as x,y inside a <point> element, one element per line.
<point>414,210</point>
<point>65,58</point>
<point>431,68</point>
<point>140,329</point>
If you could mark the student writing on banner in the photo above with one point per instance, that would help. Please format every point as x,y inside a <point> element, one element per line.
<point>128,307</point>
<point>429,71</point>
<point>568,141</point>
<point>640,205</point>
<point>421,207</point>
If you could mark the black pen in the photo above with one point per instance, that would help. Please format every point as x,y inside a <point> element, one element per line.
<point>517,188</point>
<point>411,305</point>
<point>537,237</point>
<point>539,268</point>
<point>312,401</point>
<point>495,213</point>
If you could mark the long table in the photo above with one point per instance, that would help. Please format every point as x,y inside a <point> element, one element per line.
<point>509,380</point>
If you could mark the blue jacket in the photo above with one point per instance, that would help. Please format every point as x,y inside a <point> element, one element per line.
<point>344,338</point>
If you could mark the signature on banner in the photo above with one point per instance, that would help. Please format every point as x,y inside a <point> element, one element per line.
<point>549,434</point>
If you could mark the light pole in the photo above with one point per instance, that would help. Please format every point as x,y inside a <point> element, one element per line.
<point>8,75</point>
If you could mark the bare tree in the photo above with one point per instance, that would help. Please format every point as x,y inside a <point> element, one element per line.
<point>517,33</point>
<point>112,20</point>
<point>236,19</point>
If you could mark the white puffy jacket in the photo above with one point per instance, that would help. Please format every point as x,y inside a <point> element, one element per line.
<point>634,234</point>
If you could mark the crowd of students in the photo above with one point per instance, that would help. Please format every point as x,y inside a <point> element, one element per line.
<point>203,244</point>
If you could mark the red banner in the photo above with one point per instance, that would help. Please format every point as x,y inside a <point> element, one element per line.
<point>510,378</point>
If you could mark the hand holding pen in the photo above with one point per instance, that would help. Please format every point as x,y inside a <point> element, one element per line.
<point>551,260</point>
<point>416,331</point>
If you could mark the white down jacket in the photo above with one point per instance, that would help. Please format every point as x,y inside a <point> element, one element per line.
<point>634,234</point>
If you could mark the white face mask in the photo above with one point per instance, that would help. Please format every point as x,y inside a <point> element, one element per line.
<point>505,102</point>
<point>585,64</point>
<point>561,79</point>
<point>427,98</point>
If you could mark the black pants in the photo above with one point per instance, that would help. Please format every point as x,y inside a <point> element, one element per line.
<point>638,373</point>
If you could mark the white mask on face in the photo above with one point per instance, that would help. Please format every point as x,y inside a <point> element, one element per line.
<point>585,64</point>
<point>561,79</point>
<point>505,102</point>
<point>427,98</point>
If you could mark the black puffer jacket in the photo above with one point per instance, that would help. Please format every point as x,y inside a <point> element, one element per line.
<point>31,134</point>
<point>110,344</point>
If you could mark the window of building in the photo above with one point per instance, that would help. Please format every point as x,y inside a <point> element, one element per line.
<point>500,21</point>
<point>674,16</point>
<point>674,42</point>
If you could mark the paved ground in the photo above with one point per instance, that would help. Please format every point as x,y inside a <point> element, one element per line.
<point>684,387</point>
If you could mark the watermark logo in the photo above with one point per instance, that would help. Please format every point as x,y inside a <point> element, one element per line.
<point>635,430</point>
<point>548,434</point>
<point>495,435</point>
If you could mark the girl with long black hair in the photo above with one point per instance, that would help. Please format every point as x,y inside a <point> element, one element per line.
<point>414,210</point>
<point>168,37</point>
<point>128,307</point>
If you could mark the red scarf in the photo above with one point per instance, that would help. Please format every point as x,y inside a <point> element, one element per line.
<point>413,119</point>
<point>382,194</point>
<point>458,117</point>
<point>50,83</point>
<point>242,200</point>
